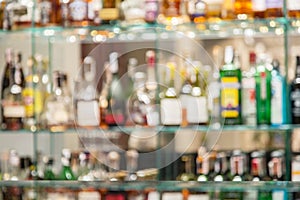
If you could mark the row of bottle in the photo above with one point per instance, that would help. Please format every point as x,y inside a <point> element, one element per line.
<point>82,13</point>
<point>257,96</point>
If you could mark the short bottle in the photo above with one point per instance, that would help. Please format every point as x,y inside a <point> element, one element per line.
<point>221,168</point>
<point>243,9</point>
<point>48,168</point>
<point>66,172</point>
<point>276,165</point>
<point>197,11</point>
<point>259,8</point>
<point>187,174</point>
<point>293,8</point>
<point>230,97</point>
<point>173,12</point>
<point>131,164</point>
<point>274,8</point>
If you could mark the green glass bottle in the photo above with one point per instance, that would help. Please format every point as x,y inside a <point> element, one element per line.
<point>263,91</point>
<point>48,171</point>
<point>230,98</point>
<point>66,171</point>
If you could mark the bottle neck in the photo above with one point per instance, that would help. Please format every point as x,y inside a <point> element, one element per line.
<point>298,70</point>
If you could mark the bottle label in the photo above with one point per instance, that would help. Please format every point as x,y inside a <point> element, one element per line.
<point>197,110</point>
<point>258,5</point>
<point>293,4</point>
<point>249,100</point>
<point>88,113</point>
<point>89,195</point>
<point>295,101</point>
<point>274,4</point>
<point>14,111</point>
<point>230,105</point>
<point>78,10</point>
<point>58,114</point>
<point>28,101</point>
<point>277,102</point>
<point>170,110</point>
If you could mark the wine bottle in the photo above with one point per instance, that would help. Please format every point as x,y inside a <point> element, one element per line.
<point>12,102</point>
<point>230,78</point>
<point>87,114</point>
<point>278,100</point>
<point>170,106</point>
<point>263,91</point>
<point>295,94</point>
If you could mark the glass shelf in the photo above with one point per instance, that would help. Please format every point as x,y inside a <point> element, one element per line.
<point>208,30</point>
<point>172,186</point>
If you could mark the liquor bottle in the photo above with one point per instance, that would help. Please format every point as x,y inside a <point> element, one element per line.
<point>230,97</point>
<point>197,11</point>
<point>78,13</point>
<point>87,114</point>
<point>187,174</point>
<point>263,91</point>
<point>46,10</point>
<point>66,172</point>
<point>243,9</point>
<point>115,113</point>
<point>12,102</point>
<point>103,97</point>
<point>58,109</point>
<point>133,12</point>
<point>221,168</point>
<point>248,92</point>
<point>84,169</point>
<point>170,106</point>
<point>295,94</point>
<point>293,8</point>
<point>151,10</point>
<point>274,8</point>
<point>278,100</point>
<point>113,162</point>
<point>228,10</point>
<point>28,96</point>
<point>109,11</point>
<point>63,13</point>
<point>171,12</point>
<point>202,165</point>
<point>277,165</point>
<point>214,10</point>
<point>48,170</point>
<point>259,8</point>
<point>258,166</point>
<point>131,165</point>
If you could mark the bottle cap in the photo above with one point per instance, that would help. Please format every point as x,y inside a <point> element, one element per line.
<point>113,62</point>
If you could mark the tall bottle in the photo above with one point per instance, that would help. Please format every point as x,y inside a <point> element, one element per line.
<point>243,9</point>
<point>278,100</point>
<point>87,114</point>
<point>248,92</point>
<point>131,164</point>
<point>58,108</point>
<point>230,98</point>
<point>170,106</point>
<point>295,94</point>
<point>115,114</point>
<point>274,8</point>
<point>214,10</point>
<point>277,165</point>
<point>12,102</point>
<point>221,168</point>
<point>263,91</point>
<point>188,174</point>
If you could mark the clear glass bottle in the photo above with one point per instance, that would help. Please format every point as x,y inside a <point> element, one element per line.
<point>115,113</point>
<point>214,10</point>
<point>259,8</point>
<point>151,10</point>
<point>230,97</point>
<point>188,174</point>
<point>170,106</point>
<point>12,102</point>
<point>87,110</point>
<point>276,165</point>
<point>131,164</point>
<point>201,165</point>
<point>173,12</point>
<point>221,168</point>
<point>278,99</point>
<point>58,109</point>
<point>197,11</point>
<point>263,91</point>
<point>248,92</point>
